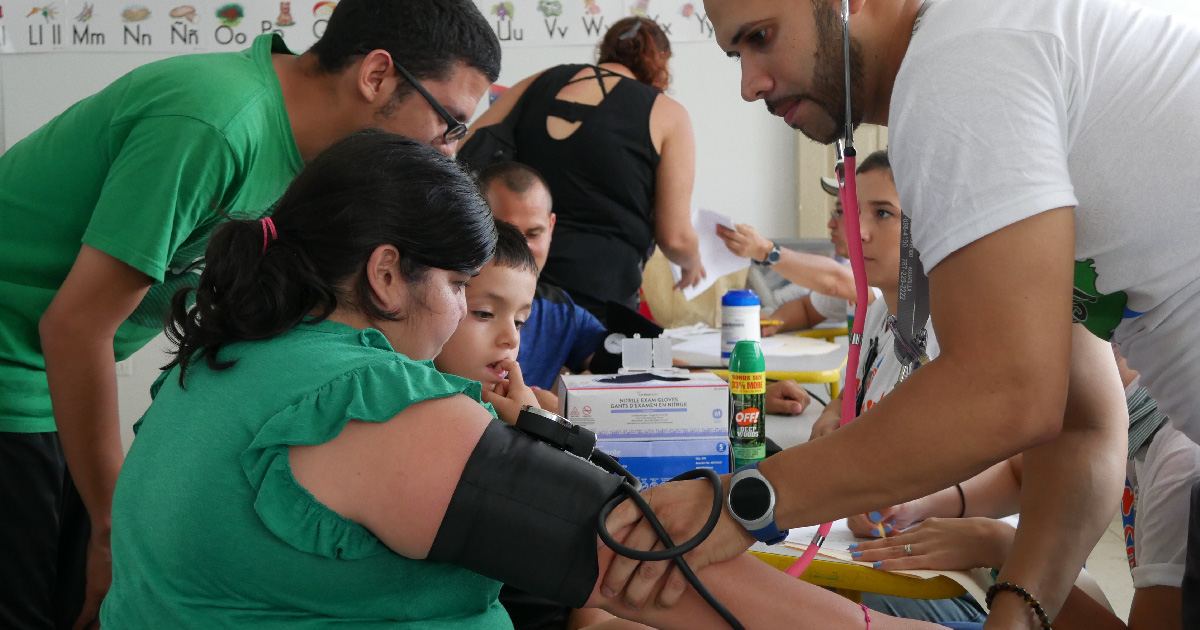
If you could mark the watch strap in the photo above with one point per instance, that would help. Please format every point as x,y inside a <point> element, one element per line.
<point>773,256</point>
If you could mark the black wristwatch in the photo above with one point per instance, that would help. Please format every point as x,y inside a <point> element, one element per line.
<point>772,257</point>
<point>752,504</point>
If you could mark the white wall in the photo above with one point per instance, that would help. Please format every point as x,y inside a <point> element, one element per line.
<point>746,159</point>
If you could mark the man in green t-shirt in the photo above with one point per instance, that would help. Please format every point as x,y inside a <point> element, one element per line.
<point>144,170</point>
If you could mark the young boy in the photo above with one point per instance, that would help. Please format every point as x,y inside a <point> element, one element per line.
<point>484,348</point>
<point>560,333</point>
<point>485,344</point>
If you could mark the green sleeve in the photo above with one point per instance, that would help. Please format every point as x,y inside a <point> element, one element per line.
<point>169,177</point>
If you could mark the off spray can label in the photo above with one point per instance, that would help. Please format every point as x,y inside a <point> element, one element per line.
<point>747,398</point>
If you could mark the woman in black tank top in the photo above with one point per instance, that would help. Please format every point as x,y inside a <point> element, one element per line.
<point>619,158</point>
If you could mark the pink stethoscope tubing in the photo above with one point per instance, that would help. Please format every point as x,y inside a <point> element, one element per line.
<point>849,197</point>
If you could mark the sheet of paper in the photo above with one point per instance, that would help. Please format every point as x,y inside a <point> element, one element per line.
<point>717,259</point>
<point>974,581</point>
<point>784,345</point>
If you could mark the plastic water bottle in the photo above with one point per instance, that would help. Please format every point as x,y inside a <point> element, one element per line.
<point>747,402</point>
<point>739,320</point>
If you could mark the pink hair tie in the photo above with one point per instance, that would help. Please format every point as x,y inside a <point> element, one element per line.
<point>866,614</point>
<point>267,224</point>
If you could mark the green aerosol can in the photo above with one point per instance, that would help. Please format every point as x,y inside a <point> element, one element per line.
<point>747,402</point>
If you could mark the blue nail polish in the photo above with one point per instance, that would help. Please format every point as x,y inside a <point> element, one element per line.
<point>855,554</point>
<point>853,546</point>
<point>877,565</point>
<point>875,517</point>
<point>887,529</point>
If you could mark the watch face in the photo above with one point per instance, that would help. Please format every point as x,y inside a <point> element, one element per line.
<point>612,343</point>
<point>750,499</point>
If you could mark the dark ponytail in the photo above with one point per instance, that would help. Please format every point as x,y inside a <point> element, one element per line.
<point>367,190</point>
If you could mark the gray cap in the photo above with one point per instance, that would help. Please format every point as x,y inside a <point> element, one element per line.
<point>830,185</point>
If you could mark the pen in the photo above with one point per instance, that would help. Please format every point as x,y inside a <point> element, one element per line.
<point>770,322</point>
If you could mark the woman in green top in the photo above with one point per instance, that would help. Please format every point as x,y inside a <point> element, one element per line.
<point>301,449</point>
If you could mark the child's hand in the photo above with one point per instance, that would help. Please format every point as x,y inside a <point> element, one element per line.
<point>829,421</point>
<point>510,394</point>
<point>787,398</point>
<point>892,519</point>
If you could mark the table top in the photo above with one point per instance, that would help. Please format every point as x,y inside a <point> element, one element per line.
<point>784,353</point>
<point>788,431</point>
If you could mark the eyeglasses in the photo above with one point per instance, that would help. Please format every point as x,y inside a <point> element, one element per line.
<point>455,129</point>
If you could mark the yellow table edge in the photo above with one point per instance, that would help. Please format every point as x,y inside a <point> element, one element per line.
<point>852,577</point>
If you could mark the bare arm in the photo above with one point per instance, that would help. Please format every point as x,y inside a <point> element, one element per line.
<point>1002,306</point>
<point>797,314</point>
<point>385,477</point>
<point>993,493</point>
<point>818,273</point>
<point>77,333</point>
<point>1074,483</point>
<point>674,179</point>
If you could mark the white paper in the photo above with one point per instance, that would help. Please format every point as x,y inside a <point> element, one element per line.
<point>714,255</point>
<point>783,345</point>
<point>974,581</point>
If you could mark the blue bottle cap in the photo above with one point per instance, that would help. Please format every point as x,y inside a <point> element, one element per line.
<point>740,297</point>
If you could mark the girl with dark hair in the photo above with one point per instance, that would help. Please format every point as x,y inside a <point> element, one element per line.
<point>321,318</point>
<point>619,158</point>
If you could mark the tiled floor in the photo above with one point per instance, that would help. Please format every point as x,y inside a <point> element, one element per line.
<point>1110,568</point>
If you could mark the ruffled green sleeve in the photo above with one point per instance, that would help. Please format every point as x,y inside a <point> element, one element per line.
<point>372,393</point>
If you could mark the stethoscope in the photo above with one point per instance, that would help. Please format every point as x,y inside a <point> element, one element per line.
<point>847,158</point>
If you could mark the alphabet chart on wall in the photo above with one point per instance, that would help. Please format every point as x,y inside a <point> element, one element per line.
<point>181,26</point>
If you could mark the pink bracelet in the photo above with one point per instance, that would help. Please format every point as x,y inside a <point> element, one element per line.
<point>866,614</point>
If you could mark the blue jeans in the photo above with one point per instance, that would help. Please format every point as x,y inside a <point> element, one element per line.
<point>957,609</point>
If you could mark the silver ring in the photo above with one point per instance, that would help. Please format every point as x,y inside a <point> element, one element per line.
<point>908,550</point>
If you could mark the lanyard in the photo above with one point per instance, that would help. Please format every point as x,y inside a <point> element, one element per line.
<point>912,307</point>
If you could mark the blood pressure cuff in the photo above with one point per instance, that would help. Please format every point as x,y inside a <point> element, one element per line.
<point>524,513</point>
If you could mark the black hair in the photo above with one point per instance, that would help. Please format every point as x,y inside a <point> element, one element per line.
<point>512,250</point>
<point>515,176</point>
<point>876,161</point>
<point>425,36</point>
<point>364,191</point>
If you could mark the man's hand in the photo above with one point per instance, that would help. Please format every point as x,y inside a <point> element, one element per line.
<point>745,241</point>
<point>99,579</point>
<point>511,394</point>
<point>787,398</point>
<point>682,507</point>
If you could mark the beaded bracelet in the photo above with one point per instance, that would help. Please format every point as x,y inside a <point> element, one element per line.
<point>1029,599</point>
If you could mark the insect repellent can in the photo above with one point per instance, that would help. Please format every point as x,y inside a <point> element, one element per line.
<point>739,319</point>
<point>747,403</point>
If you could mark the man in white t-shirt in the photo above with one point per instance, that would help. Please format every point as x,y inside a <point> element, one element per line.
<point>1017,130</point>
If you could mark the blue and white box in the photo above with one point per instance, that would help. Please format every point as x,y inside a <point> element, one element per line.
<point>647,406</point>
<point>657,461</point>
